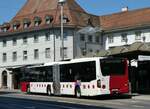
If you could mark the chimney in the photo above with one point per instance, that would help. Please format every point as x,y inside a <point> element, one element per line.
<point>124,9</point>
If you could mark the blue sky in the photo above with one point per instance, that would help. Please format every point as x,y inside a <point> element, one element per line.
<point>8,8</point>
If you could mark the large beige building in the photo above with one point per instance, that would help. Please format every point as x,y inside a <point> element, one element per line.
<point>32,37</point>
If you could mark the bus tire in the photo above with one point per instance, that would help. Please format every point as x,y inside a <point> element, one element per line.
<point>48,90</point>
<point>77,92</point>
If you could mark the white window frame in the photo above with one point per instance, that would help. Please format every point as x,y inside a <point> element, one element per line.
<point>47,53</point>
<point>47,36</point>
<point>138,35</point>
<point>4,57</point>
<point>90,38</point>
<point>36,53</point>
<point>25,55</point>
<point>110,39</point>
<point>36,23</point>
<point>25,25</point>
<point>65,49</point>
<point>36,38</point>
<point>14,56</point>
<point>97,39</point>
<point>65,35</point>
<point>25,40</point>
<point>124,37</point>
<point>82,37</point>
<point>4,43</point>
<point>14,41</point>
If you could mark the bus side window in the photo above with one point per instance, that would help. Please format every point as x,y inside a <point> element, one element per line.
<point>106,70</point>
<point>77,77</point>
<point>88,71</point>
<point>70,71</point>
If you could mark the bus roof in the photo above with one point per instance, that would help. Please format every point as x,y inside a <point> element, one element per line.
<point>71,61</point>
<point>74,61</point>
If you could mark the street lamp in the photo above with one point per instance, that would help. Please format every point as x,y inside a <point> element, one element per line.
<point>61,3</point>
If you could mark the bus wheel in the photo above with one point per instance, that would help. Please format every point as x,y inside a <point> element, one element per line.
<point>48,91</point>
<point>77,92</point>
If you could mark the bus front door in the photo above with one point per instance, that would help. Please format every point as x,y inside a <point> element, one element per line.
<point>56,80</point>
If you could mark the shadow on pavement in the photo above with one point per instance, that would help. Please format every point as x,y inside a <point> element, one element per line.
<point>8,91</point>
<point>101,97</point>
<point>40,104</point>
<point>111,97</point>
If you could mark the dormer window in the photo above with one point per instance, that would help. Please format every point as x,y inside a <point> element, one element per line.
<point>48,19</point>
<point>16,25</point>
<point>26,22</point>
<point>37,21</point>
<point>5,27</point>
<point>65,19</point>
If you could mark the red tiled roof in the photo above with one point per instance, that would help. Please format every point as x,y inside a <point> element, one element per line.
<point>76,15</point>
<point>33,7</point>
<point>40,8</point>
<point>134,18</point>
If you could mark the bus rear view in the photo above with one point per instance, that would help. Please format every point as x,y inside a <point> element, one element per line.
<point>117,71</point>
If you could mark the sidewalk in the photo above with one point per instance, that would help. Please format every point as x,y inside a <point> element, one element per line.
<point>10,91</point>
<point>141,97</point>
<point>135,96</point>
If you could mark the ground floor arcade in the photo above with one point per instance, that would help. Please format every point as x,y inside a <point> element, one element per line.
<point>139,70</point>
<point>10,77</point>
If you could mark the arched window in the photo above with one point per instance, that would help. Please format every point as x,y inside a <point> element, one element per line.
<point>16,25</point>
<point>4,79</point>
<point>48,19</point>
<point>65,19</point>
<point>37,21</point>
<point>26,22</point>
<point>5,27</point>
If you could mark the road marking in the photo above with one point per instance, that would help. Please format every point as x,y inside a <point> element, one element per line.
<point>91,103</point>
<point>75,102</point>
<point>63,101</point>
<point>137,106</point>
<point>29,107</point>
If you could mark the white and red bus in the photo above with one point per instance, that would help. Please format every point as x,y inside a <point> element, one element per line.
<point>80,77</point>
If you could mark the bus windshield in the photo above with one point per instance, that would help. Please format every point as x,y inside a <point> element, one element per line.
<point>112,67</point>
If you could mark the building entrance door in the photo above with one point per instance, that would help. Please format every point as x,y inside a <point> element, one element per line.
<point>144,76</point>
<point>133,78</point>
<point>4,79</point>
<point>16,80</point>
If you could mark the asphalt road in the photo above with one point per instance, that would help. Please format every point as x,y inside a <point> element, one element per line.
<point>24,101</point>
<point>15,103</point>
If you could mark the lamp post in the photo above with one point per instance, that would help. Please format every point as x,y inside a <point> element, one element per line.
<point>61,3</point>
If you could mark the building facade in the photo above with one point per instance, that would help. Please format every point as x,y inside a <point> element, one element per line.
<point>126,27</point>
<point>127,34</point>
<point>33,37</point>
<point>127,37</point>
